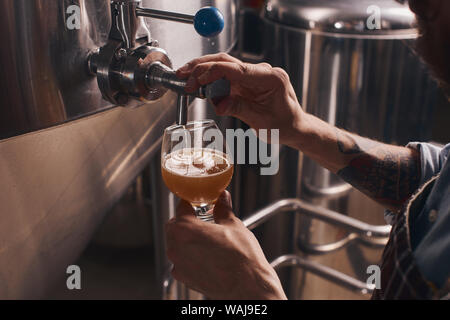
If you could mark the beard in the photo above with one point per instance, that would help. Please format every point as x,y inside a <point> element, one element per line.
<point>433,45</point>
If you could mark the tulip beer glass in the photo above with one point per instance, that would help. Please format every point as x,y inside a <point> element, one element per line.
<point>195,164</point>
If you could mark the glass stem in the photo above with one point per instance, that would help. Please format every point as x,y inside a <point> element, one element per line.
<point>205,212</point>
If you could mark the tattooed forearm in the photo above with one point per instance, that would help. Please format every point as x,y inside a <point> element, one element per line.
<point>347,144</point>
<point>388,174</point>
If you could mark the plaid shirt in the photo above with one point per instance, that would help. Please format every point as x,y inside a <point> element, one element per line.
<point>400,276</point>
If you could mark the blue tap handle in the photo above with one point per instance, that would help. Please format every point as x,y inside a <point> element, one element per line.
<point>208,22</point>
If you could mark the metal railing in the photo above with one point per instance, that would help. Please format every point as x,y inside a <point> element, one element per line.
<point>367,234</point>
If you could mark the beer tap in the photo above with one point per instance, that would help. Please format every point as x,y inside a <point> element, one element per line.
<point>161,75</point>
<point>131,69</point>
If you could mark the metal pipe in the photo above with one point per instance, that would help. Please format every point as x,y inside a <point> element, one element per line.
<point>323,271</point>
<point>159,74</point>
<point>319,249</point>
<point>335,218</point>
<point>121,26</point>
<point>165,15</point>
<point>182,107</point>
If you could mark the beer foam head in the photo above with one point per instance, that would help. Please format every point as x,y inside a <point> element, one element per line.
<point>196,162</point>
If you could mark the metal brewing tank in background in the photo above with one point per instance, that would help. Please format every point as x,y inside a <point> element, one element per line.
<point>364,80</point>
<point>63,163</point>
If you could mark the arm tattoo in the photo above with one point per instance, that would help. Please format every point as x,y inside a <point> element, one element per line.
<point>348,145</point>
<point>384,175</point>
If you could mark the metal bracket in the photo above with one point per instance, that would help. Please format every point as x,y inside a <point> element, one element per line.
<point>330,216</point>
<point>323,271</point>
<point>368,234</point>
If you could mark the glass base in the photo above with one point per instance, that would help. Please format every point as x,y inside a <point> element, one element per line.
<point>204,212</point>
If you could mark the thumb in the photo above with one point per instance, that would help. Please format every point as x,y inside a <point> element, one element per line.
<point>223,209</point>
<point>184,210</point>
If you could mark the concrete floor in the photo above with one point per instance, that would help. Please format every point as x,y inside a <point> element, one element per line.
<point>111,273</point>
<point>119,262</point>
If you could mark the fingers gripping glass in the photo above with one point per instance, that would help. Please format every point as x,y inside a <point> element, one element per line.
<point>195,164</point>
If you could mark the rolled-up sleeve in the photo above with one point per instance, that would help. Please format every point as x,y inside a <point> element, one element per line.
<point>432,158</point>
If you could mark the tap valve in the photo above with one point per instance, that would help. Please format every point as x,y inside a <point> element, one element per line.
<point>132,69</point>
<point>160,75</point>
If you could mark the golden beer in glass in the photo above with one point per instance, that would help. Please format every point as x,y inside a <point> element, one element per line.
<point>195,165</point>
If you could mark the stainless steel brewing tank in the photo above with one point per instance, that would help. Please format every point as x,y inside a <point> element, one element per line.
<point>351,64</point>
<point>63,163</point>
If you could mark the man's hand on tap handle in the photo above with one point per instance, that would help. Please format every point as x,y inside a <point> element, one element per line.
<point>225,260</point>
<point>261,96</point>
